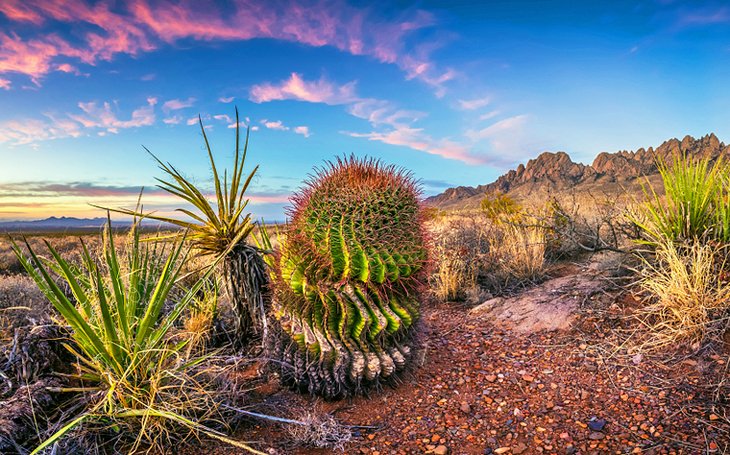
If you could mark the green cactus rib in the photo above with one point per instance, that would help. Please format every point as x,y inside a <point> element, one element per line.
<point>347,279</point>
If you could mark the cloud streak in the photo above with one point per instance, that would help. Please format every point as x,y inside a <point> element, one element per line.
<point>393,126</point>
<point>146,25</point>
<point>96,117</point>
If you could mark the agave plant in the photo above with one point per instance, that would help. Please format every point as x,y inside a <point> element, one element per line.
<point>221,226</point>
<point>348,277</point>
<point>133,376</point>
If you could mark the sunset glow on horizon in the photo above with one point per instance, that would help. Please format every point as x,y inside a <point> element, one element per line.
<point>457,92</point>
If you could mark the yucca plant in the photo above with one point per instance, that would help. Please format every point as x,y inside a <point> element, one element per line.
<point>348,279</point>
<point>222,226</point>
<point>133,377</point>
<point>693,188</point>
<point>722,208</point>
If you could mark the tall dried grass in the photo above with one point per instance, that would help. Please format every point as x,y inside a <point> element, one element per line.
<point>688,292</point>
<point>461,250</point>
<point>520,250</point>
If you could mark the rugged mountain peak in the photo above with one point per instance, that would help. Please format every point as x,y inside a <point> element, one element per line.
<point>556,170</point>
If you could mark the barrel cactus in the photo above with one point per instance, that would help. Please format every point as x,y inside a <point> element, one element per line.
<point>348,277</point>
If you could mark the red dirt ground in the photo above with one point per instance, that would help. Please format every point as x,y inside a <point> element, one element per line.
<point>484,389</point>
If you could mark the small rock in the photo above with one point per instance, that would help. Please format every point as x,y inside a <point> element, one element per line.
<point>502,450</point>
<point>528,378</point>
<point>491,378</point>
<point>465,408</point>
<point>596,424</point>
<point>519,448</point>
<point>714,417</point>
<point>440,450</point>
<point>596,436</point>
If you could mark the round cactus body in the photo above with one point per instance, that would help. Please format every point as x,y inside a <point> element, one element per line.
<point>348,278</point>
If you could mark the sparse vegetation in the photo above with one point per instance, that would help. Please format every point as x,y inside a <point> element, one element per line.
<point>685,274</point>
<point>132,376</point>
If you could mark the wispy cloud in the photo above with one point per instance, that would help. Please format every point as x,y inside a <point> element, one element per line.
<point>392,125</point>
<point>296,88</point>
<point>497,128</point>
<point>145,25</point>
<point>4,84</point>
<point>94,117</point>
<point>105,116</point>
<point>226,99</point>
<point>489,115</point>
<point>177,104</point>
<point>174,120</point>
<point>417,139</point>
<point>473,104</point>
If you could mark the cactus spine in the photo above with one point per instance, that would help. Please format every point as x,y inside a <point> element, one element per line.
<point>348,277</point>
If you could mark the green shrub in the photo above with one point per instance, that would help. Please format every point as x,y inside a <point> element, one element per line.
<point>500,206</point>
<point>695,205</point>
<point>348,278</point>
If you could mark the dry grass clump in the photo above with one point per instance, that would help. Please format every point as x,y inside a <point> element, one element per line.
<point>519,249</point>
<point>318,430</point>
<point>461,249</point>
<point>475,254</point>
<point>21,304</point>
<point>689,293</point>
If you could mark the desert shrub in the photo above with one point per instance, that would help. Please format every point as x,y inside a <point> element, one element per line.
<point>592,225</point>
<point>500,206</point>
<point>222,226</point>
<point>460,252</point>
<point>688,291</point>
<point>348,278</point>
<point>695,205</point>
<point>519,250</point>
<point>133,377</point>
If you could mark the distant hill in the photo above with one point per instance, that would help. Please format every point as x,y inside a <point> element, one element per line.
<point>61,224</point>
<point>553,172</point>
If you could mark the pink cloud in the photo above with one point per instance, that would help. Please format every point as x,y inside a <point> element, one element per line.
<point>29,131</point>
<point>145,25</point>
<point>177,104</point>
<point>5,84</point>
<point>417,139</point>
<point>296,88</point>
<point>303,130</point>
<point>226,99</point>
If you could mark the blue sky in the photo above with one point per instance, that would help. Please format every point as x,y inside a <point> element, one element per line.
<point>456,91</point>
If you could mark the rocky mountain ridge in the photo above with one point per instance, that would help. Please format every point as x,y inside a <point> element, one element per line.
<point>556,171</point>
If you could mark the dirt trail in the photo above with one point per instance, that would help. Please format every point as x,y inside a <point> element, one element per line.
<point>553,304</point>
<point>507,387</point>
